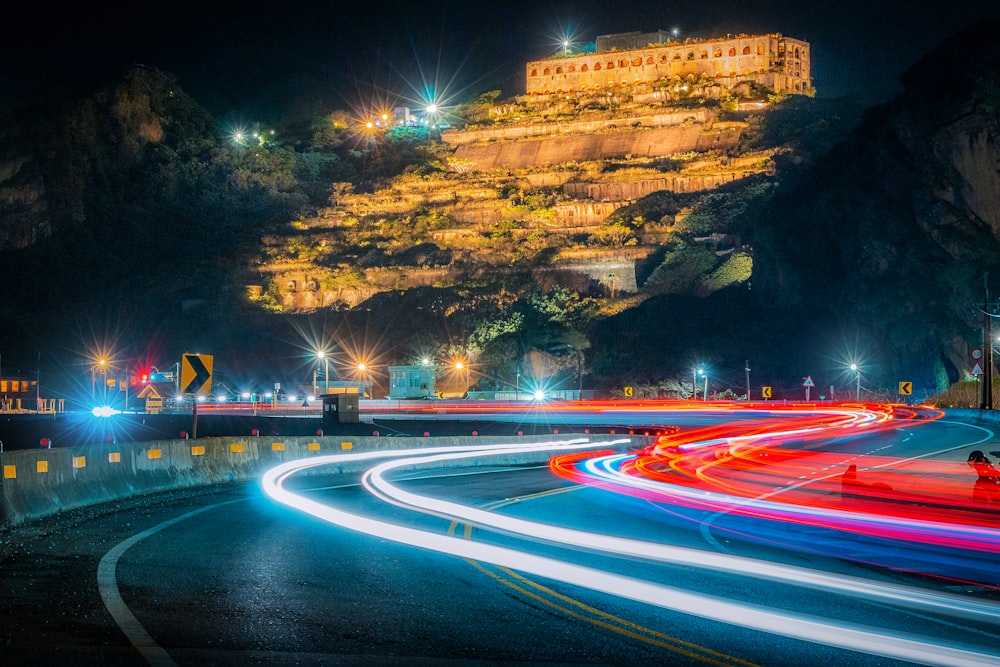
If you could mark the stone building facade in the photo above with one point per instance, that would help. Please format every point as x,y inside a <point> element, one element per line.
<point>778,62</point>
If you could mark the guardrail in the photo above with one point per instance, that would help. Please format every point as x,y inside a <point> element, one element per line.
<point>39,483</point>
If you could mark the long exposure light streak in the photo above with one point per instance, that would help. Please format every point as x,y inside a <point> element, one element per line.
<point>758,469</point>
<point>375,481</point>
<point>810,629</point>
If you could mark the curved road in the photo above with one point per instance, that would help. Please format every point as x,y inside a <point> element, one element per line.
<point>228,576</point>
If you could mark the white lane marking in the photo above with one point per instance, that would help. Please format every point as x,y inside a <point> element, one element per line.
<point>806,628</point>
<point>107,584</point>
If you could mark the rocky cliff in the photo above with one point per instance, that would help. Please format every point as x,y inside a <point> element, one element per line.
<point>896,227</point>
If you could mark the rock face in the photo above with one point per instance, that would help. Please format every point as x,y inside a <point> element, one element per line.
<point>652,142</point>
<point>896,227</point>
<point>24,213</point>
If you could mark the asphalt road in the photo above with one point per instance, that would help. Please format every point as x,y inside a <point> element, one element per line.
<point>226,576</point>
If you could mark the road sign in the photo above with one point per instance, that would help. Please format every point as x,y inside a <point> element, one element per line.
<point>977,369</point>
<point>628,392</point>
<point>905,388</point>
<point>765,392</point>
<point>809,382</point>
<point>976,353</point>
<point>196,374</point>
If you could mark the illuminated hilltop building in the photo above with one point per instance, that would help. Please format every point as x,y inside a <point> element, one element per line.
<point>775,61</point>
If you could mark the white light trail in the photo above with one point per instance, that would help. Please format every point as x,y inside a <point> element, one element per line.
<point>816,630</point>
<point>955,605</point>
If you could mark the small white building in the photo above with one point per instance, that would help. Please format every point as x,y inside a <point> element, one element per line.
<point>407,382</point>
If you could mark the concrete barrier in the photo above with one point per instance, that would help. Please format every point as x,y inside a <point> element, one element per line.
<point>39,483</point>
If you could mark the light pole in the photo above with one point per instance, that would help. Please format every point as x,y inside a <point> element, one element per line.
<point>363,369</point>
<point>463,374</point>
<point>704,396</point>
<point>857,387</point>
<point>746,367</point>
<point>694,383</point>
<point>320,354</point>
<point>103,363</point>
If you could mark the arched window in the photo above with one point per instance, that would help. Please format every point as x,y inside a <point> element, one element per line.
<point>649,60</point>
<point>704,54</point>
<point>717,52</point>
<point>732,51</point>
<point>597,66</point>
<point>623,63</point>
<point>290,285</point>
<point>677,56</point>
<point>796,52</point>
<point>663,58</point>
<point>636,62</point>
<point>760,49</point>
<point>571,68</point>
<point>584,68</point>
<point>534,72</point>
<point>546,71</point>
<point>611,65</point>
<point>732,74</point>
<point>559,70</point>
<point>718,75</point>
<point>690,55</point>
<point>746,50</point>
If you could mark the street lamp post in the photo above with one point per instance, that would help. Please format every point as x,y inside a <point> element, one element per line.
<point>103,363</point>
<point>320,354</point>
<point>857,386</point>
<point>746,367</point>
<point>363,369</point>
<point>704,396</point>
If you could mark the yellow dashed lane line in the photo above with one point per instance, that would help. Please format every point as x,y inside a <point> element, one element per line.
<point>588,614</point>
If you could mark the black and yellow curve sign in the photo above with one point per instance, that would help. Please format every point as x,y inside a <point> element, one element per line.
<point>196,374</point>
<point>628,392</point>
<point>765,392</point>
<point>905,388</point>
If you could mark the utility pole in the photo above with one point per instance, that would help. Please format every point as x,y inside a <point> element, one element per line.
<point>746,367</point>
<point>987,402</point>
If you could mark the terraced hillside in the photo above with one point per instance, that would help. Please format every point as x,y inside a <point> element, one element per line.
<point>515,195</point>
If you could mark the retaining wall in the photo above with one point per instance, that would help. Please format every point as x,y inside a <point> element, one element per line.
<point>39,483</point>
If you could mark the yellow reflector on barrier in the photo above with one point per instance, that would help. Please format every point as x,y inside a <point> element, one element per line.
<point>236,447</point>
<point>9,472</point>
<point>313,446</point>
<point>198,450</point>
<point>114,457</point>
<point>153,453</point>
<point>277,446</point>
<point>346,445</point>
<point>79,461</point>
<point>41,466</point>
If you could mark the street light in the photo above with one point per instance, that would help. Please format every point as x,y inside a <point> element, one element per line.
<point>695,372</point>
<point>320,354</point>
<point>363,369</point>
<point>103,364</point>
<point>857,390</point>
<point>704,396</point>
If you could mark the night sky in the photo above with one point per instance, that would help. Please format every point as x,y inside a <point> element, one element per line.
<point>266,59</point>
